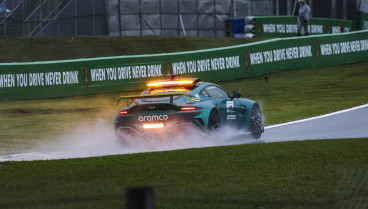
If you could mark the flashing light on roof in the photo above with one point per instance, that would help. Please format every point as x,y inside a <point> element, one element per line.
<point>169,83</point>
<point>168,90</point>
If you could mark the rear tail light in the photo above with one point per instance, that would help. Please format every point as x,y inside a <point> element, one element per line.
<point>188,108</point>
<point>123,112</point>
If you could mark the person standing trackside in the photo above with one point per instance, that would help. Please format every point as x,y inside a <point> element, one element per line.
<point>303,19</point>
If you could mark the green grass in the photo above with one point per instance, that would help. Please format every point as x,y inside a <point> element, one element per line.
<point>287,96</point>
<point>307,174</point>
<point>28,49</point>
<point>25,124</point>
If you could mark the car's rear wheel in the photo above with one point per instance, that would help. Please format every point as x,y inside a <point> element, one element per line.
<point>123,135</point>
<point>122,140</point>
<point>256,122</point>
<point>214,120</point>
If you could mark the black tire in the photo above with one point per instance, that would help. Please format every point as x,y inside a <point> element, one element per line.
<point>122,140</point>
<point>256,122</point>
<point>121,137</point>
<point>214,121</point>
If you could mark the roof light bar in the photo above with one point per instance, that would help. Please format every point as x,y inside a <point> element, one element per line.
<point>164,83</point>
<point>168,90</point>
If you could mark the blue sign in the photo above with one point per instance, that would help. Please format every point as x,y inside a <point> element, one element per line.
<point>2,8</point>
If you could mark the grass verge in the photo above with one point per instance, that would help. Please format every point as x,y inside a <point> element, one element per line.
<point>306,174</point>
<point>29,49</point>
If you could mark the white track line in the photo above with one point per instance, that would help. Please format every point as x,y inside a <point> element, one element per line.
<point>317,117</point>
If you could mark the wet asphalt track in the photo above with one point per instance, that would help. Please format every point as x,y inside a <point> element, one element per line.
<point>349,123</point>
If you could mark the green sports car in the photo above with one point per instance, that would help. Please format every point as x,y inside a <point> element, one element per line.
<point>169,107</point>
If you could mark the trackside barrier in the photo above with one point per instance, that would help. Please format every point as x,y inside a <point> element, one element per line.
<point>34,80</point>
<point>286,26</point>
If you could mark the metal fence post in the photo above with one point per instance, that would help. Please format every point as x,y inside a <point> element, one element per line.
<point>75,17</point>
<point>58,18</point>
<point>333,8</point>
<point>197,19</point>
<point>140,198</point>
<point>215,19</point>
<point>4,22</point>
<point>23,23</point>
<point>160,8</point>
<point>178,31</point>
<point>40,24</point>
<point>93,18</point>
<point>311,7</point>
<point>140,17</point>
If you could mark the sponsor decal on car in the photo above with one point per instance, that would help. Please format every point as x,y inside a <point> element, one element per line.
<point>231,117</point>
<point>153,118</point>
<point>197,96</point>
<point>229,104</point>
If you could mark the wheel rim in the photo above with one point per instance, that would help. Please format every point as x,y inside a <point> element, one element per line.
<point>256,124</point>
<point>214,121</point>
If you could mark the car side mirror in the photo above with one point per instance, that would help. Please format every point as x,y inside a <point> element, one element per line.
<point>236,94</point>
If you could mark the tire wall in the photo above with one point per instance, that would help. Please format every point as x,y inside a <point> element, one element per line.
<point>37,80</point>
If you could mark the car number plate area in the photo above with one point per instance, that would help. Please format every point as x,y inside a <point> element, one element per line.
<point>153,126</point>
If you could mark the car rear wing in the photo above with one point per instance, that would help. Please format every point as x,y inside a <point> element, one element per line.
<point>171,95</point>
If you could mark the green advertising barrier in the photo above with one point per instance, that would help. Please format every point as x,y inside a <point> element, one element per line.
<point>286,26</point>
<point>36,80</point>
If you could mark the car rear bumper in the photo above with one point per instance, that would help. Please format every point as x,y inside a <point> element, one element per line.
<point>168,131</point>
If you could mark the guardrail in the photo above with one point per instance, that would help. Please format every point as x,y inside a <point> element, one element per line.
<point>35,80</point>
